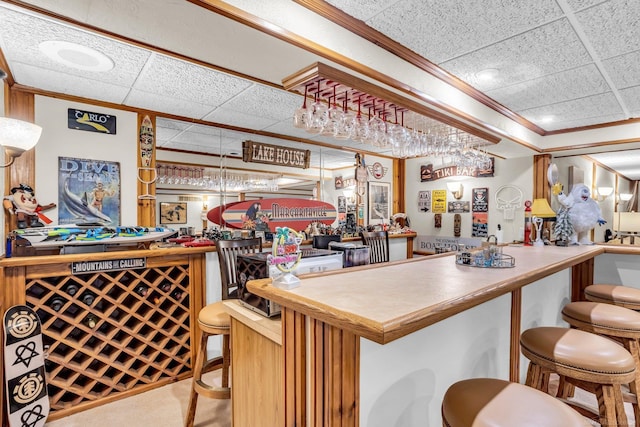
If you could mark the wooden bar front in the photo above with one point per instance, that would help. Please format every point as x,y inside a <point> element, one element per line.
<point>110,334</point>
<point>379,306</point>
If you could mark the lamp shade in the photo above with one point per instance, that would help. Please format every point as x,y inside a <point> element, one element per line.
<point>18,135</point>
<point>541,209</point>
<point>625,197</point>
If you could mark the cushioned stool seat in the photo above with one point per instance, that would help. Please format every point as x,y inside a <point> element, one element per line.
<point>618,323</point>
<point>489,402</point>
<point>213,319</point>
<point>585,360</point>
<point>623,296</point>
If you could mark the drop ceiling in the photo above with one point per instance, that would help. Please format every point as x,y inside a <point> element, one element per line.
<point>558,64</point>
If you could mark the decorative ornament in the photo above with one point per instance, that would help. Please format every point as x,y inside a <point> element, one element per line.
<point>377,170</point>
<point>286,255</point>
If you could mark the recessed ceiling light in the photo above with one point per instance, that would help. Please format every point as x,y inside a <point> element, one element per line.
<point>487,74</point>
<point>546,119</point>
<point>76,55</point>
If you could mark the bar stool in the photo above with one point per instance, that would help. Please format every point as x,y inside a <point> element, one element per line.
<point>490,402</point>
<point>624,296</point>
<point>585,360</point>
<point>213,319</point>
<point>618,323</point>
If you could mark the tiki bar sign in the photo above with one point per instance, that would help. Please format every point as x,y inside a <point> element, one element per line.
<point>257,152</point>
<point>428,173</point>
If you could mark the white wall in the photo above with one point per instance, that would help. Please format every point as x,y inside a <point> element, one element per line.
<point>517,172</point>
<point>59,141</point>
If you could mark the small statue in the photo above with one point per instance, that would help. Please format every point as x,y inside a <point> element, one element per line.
<point>584,213</point>
<point>23,204</point>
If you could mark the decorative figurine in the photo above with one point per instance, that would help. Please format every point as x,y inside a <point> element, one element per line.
<point>584,213</point>
<point>23,204</point>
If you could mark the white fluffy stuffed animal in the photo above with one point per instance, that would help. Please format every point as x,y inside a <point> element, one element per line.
<point>584,213</point>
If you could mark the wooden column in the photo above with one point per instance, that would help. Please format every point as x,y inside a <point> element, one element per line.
<point>399,186</point>
<point>541,188</point>
<point>333,376</point>
<point>19,105</point>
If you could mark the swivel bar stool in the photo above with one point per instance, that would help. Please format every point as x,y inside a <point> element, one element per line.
<point>213,320</point>
<point>490,402</point>
<point>624,296</point>
<point>585,360</point>
<point>618,323</point>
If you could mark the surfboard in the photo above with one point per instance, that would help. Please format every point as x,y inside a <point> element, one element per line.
<point>268,214</point>
<point>45,237</point>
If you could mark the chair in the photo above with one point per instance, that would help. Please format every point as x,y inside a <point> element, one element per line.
<point>378,242</point>
<point>213,319</point>
<point>490,402</point>
<point>581,359</point>
<point>623,296</point>
<point>228,251</point>
<point>322,241</point>
<point>618,323</point>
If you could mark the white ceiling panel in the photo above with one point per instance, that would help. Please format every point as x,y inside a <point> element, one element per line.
<point>552,89</point>
<point>612,27</point>
<point>161,103</point>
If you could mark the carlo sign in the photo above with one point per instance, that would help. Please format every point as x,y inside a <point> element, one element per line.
<point>257,152</point>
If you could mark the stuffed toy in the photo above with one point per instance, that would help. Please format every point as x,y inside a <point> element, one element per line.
<point>584,213</point>
<point>23,204</point>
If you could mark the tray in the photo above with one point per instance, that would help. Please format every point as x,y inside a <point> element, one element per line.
<point>485,259</point>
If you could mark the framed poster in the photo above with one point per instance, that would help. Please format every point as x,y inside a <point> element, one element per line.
<point>88,191</point>
<point>173,213</point>
<point>379,206</point>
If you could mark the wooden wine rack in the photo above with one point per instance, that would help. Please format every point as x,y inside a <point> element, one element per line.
<point>121,341</point>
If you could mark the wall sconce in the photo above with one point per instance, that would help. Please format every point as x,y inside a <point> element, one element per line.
<point>541,211</point>
<point>456,189</point>
<point>17,136</point>
<point>603,193</point>
<point>625,197</point>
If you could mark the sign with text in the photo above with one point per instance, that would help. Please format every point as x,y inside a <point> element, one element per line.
<point>82,267</point>
<point>428,173</point>
<point>445,243</point>
<point>92,122</point>
<point>258,152</point>
<point>439,201</point>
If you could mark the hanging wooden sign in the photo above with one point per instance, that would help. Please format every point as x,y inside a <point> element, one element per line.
<point>258,152</point>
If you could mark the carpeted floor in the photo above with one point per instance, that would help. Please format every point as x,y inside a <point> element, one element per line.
<point>162,407</point>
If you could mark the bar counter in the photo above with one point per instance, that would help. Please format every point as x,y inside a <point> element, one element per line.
<point>374,344</point>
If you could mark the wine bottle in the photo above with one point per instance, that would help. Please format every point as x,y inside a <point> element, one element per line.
<point>90,321</point>
<point>142,290</point>
<point>165,286</point>
<point>176,294</point>
<point>56,304</point>
<point>88,298</point>
<point>71,289</point>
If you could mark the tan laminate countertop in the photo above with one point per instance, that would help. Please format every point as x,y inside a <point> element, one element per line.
<point>386,302</point>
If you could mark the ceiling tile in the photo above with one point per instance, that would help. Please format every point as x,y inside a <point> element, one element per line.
<point>60,82</point>
<point>545,50</point>
<point>21,34</point>
<point>631,97</point>
<point>165,104</point>
<point>267,102</point>
<point>552,88</point>
<point>624,70</point>
<point>173,78</point>
<point>612,27</point>
<point>576,110</point>
<point>577,5</point>
<point>443,30</point>
<point>238,118</point>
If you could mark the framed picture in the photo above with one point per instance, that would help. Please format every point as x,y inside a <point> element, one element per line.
<point>173,213</point>
<point>379,203</point>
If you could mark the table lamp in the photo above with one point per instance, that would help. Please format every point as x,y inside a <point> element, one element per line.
<point>540,211</point>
